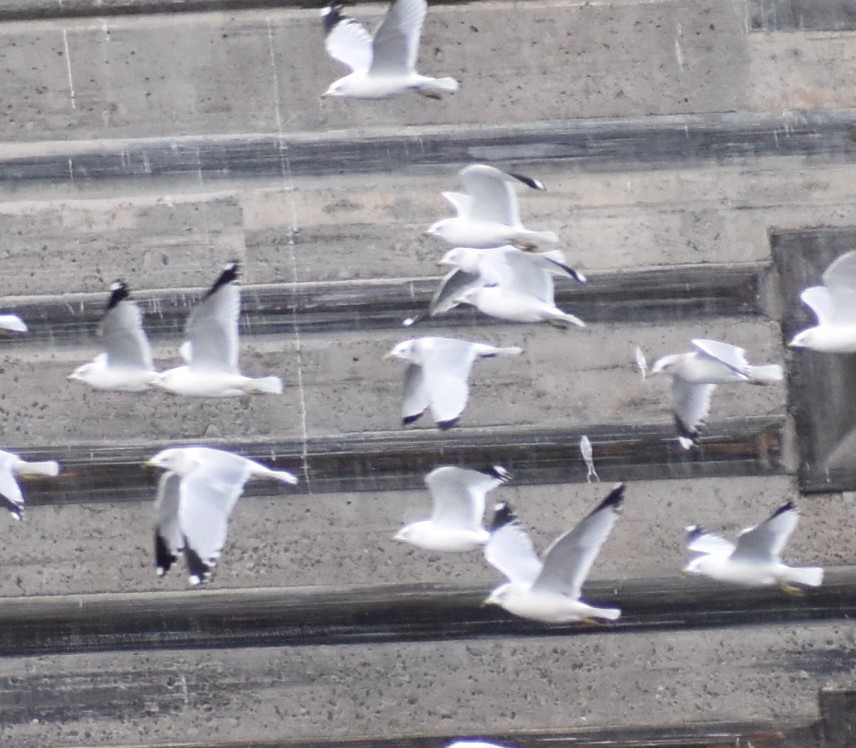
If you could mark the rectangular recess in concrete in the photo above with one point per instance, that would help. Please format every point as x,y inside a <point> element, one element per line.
<point>821,385</point>
<point>802,15</point>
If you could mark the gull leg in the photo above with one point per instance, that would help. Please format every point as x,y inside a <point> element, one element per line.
<point>525,246</point>
<point>591,622</point>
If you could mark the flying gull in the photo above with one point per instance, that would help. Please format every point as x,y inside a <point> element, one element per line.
<point>437,375</point>
<point>459,499</point>
<point>195,497</point>
<point>126,363</point>
<point>588,458</point>
<point>487,215</point>
<point>834,305</point>
<point>10,492</point>
<point>550,591</point>
<point>695,376</point>
<point>385,65</point>
<point>756,558</point>
<point>529,273</point>
<point>211,349</point>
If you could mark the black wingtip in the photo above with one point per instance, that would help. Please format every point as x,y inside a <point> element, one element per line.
<point>529,181</point>
<point>498,472</point>
<point>503,515</point>
<point>578,277</point>
<point>691,435</point>
<point>694,532</point>
<point>786,507</point>
<point>200,572</point>
<point>229,275</point>
<point>118,292</point>
<point>446,425</point>
<point>164,559</point>
<point>407,420</point>
<point>16,509</point>
<point>614,500</point>
<point>332,15</point>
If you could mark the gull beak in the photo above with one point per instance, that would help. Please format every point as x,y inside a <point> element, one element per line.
<point>150,463</point>
<point>388,356</point>
<point>70,378</point>
<point>486,603</point>
<point>427,232</point>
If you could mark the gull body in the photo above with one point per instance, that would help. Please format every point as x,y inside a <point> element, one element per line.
<point>488,215</point>
<point>834,305</point>
<point>510,303</point>
<point>384,65</point>
<point>211,349</point>
<point>12,323</point>
<point>196,495</point>
<point>437,378</point>
<point>755,559</point>
<point>12,465</point>
<point>126,363</point>
<point>550,591</point>
<point>458,496</point>
<point>695,376</point>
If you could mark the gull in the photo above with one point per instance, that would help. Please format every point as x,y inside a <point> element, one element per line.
<point>550,591</point>
<point>438,374</point>
<point>12,323</point>
<point>126,363</point>
<point>211,349</point>
<point>641,363</point>
<point>195,497</point>
<point>385,65</point>
<point>834,305</point>
<point>755,560</point>
<point>487,215</point>
<point>695,376</point>
<point>530,273</point>
<point>10,492</point>
<point>588,459</point>
<point>459,499</point>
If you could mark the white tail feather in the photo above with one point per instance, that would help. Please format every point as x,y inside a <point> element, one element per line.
<point>12,322</point>
<point>49,467</point>
<point>266,385</point>
<point>610,614</point>
<point>765,374</point>
<point>809,577</point>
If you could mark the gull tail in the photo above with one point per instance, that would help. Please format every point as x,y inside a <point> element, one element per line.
<point>528,240</point>
<point>765,374</point>
<point>511,351</point>
<point>12,322</point>
<point>49,467</point>
<point>808,577</point>
<point>561,319</point>
<point>610,614</point>
<point>283,475</point>
<point>434,88</point>
<point>265,386</point>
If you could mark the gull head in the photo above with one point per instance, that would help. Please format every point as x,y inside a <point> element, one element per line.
<point>83,373</point>
<point>804,339</point>
<point>698,565</point>
<point>407,350</point>
<point>441,229</point>
<point>175,460</point>
<point>499,595</point>
<point>665,365</point>
<point>465,258</point>
<point>343,87</point>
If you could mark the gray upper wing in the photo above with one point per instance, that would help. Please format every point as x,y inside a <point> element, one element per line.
<point>212,330</point>
<point>416,395</point>
<point>493,197</point>
<point>446,372</point>
<point>396,42</point>
<point>459,496</point>
<point>453,285</point>
<point>840,279</point>
<point>347,41</point>
<point>730,355</point>
<point>125,342</point>
<point>568,560</point>
<point>509,549</point>
<point>767,541</point>
<point>691,403</point>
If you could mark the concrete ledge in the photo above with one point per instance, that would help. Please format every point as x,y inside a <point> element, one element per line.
<point>312,617</point>
<point>598,144</point>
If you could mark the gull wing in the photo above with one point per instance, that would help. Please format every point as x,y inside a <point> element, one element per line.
<point>568,560</point>
<point>125,342</point>
<point>10,492</point>
<point>730,355</point>
<point>840,279</point>
<point>767,541</point>
<point>691,403</point>
<point>347,41</point>
<point>212,329</point>
<point>493,198</point>
<point>521,271</point>
<point>459,496</point>
<point>169,540</point>
<point>207,496</point>
<point>416,396</point>
<point>446,374</point>
<point>820,301</point>
<point>509,549</point>
<point>700,540</point>
<point>451,288</point>
<point>396,42</point>
<point>463,204</point>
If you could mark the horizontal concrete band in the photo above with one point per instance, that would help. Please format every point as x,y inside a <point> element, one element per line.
<point>656,295</point>
<point>697,735</point>
<point>593,145</point>
<point>294,617</point>
<point>390,462</point>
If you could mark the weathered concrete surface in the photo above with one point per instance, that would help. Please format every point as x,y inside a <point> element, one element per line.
<point>765,672</point>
